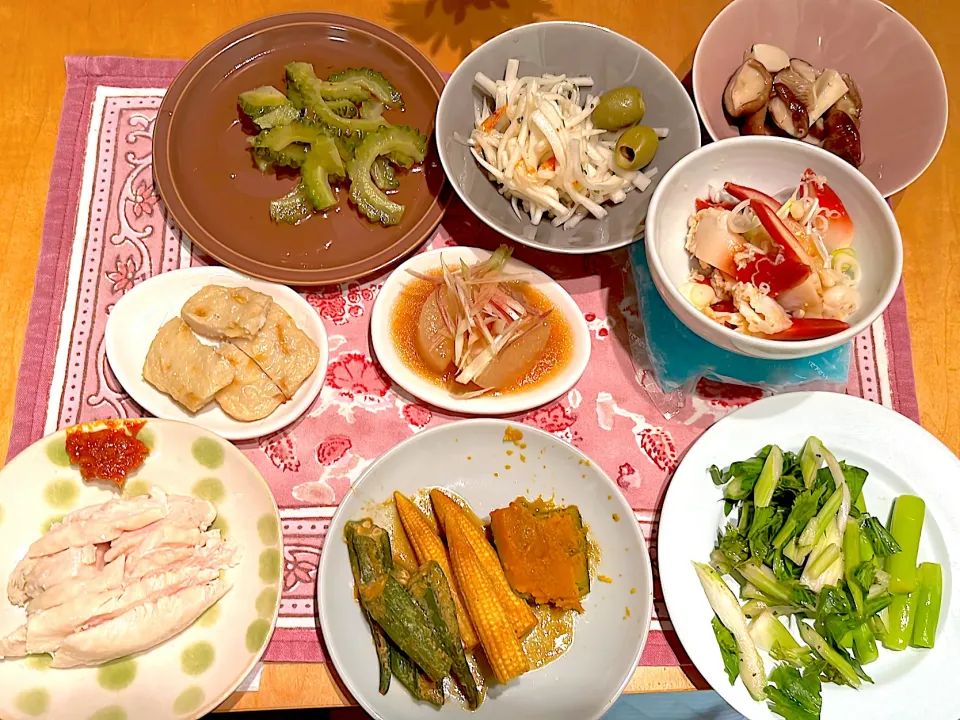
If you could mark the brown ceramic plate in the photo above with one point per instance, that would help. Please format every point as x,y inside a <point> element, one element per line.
<point>205,172</point>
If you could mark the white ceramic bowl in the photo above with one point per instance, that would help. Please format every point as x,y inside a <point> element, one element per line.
<point>548,390</point>
<point>774,166</point>
<point>471,459</point>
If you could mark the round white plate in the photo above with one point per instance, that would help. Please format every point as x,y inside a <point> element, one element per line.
<point>515,402</point>
<point>136,318</point>
<point>471,459</point>
<point>901,457</point>
<point>39,485</point>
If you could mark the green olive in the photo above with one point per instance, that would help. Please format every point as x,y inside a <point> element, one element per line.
<point>619,108</point>
<point>636,147</point>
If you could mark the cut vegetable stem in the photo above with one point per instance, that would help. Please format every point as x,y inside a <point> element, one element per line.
<point>906,524</point>
<point>929,596</point>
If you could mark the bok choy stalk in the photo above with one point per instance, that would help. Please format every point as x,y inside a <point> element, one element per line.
<point>727,609</point>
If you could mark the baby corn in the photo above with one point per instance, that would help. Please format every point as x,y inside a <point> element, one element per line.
<point>428,546</point>
<point>521,616</point>
<point>500,643</point>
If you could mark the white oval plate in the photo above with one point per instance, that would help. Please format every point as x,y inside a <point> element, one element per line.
<point>901,457</point>
<point>138,315</point>
<point>471,459</point>
<point>154,684</point>
<point>427,391</point>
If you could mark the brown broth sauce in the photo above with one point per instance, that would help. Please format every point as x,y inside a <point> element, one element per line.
<point>403,330</point>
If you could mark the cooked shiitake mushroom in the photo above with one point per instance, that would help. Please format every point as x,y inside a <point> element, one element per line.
<point>850,103</point>
<point>748,89</point>
<point>756,123</point>
<point>788,113</point>
<point>770,56</point>
<point>842,137</point>
<point>774,94</point>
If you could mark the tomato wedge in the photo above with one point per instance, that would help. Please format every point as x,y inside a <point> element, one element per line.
<point>839,232</point>
<point>810,329</point>
<point>782,271</point>
<point>741,192</point>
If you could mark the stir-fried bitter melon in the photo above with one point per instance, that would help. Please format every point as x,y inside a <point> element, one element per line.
<point>374,82</point>
<point>323,161</point>
<point>311,91</point>
<point>261,100</point>
<point>292,207</point>
<point>292,156</point>
<point>301,75</point>
<point>281,115</point>
<point>363,192</point>
<point>383,174</point>
<point>298,131</point>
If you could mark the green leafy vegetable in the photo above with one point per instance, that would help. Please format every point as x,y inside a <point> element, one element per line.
<point>728,649</point>
<point>880,539</point>
<point>766,522</point>
<point>795,696</point>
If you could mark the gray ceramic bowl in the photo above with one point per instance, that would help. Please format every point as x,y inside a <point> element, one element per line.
<point>574,49</point>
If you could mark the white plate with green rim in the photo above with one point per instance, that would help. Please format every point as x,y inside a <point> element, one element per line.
<point>901,458</point>
<point>192,673</point>
<point>472,459</point>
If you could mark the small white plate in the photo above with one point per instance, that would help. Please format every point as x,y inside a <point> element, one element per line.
<point>515,402</point>
<point>900,457</point>
<point>136,318</point>
<point>471,458</point>
<point>193,672</point>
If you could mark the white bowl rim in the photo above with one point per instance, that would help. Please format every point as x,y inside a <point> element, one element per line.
<point>516,237</point>
<point>936,60</point>
<point>774,348</point>
<point>465,424</point>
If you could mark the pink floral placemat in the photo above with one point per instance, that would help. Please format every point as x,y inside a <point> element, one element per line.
<point>105,231</point>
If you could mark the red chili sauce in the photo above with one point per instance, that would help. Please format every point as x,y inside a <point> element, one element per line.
<point>107,454</point>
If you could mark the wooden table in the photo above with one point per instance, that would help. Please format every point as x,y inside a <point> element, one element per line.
<point>36,39</point>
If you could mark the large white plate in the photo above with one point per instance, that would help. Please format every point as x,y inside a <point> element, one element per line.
<point>40,485</point>
<point>525,399</point>
<point>138,315</point>
<point>471,458</point>
<point>901,457</point>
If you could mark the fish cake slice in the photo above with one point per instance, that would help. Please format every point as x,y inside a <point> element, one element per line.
<point>282,350</point>
<point>252,395</point>
<point>184,368</point>
<point>224,313</point>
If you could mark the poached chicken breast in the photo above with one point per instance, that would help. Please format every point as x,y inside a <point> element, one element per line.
<point>118,578</point>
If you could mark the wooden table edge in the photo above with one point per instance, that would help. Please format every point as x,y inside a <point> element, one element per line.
<point>290,686</point>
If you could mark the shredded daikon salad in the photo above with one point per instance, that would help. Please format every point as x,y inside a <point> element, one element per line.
<point>538,143</point>
<point>489,316</point>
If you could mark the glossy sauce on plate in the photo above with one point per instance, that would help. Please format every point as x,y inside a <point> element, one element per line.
<point>405,315</point>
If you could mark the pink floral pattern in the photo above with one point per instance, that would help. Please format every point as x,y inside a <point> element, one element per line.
<point>333,449</point>
<point>554,419</point>
<point>659,447</point>
<point>339,304</point>
<point>144,199</point>
<point>355,375</point>
<point>126,275</point>
<point>416,416</point>
<point>299,566</point>
<point>627,477</point>
<point>282,451</point>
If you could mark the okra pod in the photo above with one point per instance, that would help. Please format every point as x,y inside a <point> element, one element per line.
<point>901,615</point>
<point>406,625</point>
<point>906,522</point>
<point>414,680</point>
<point>431,591</point>
<point>929,594</point>
<point>373,560</point>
